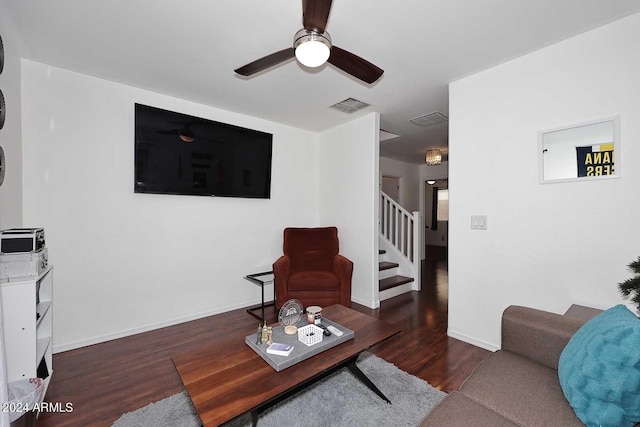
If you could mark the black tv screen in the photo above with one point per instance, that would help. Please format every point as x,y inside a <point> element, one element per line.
<point>181,154</point>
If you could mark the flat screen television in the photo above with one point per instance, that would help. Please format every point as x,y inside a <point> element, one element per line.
<point>180,154</point>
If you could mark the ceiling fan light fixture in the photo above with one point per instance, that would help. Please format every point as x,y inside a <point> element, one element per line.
<point>187,135</point>
<point>312,48</point>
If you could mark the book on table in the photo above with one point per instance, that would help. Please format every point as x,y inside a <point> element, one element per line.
<point>280,349</point>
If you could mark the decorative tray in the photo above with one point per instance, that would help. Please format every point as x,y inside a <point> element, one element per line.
<point>300,350</point>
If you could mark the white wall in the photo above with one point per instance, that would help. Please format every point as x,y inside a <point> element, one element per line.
<point>547,246</point>
<point>348,198</point>
<point>11,135</point>
<point>128,262</point>
<point>440,171</point>
<point>410,174</point>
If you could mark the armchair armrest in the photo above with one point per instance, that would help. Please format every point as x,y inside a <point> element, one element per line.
<point>281,272</point>
<point>538,335</point>
<point>343,268</point>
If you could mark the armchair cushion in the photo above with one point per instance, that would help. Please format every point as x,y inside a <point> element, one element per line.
<point>311,249</point>
<point>599,369</point>
<point>318,280</point>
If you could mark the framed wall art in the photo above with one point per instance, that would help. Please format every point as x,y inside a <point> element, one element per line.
<point>584,151</point>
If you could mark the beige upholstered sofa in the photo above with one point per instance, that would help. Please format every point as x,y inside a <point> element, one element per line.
<point>518,385</point>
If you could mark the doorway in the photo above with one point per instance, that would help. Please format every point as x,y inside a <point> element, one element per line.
<point>436,219</point>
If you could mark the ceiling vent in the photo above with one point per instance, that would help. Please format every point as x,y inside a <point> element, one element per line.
<point>350,105</point>
<point>430,119</point>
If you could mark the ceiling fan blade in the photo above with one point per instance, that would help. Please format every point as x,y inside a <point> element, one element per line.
<point>354,65</point>
<point>315,14</point>
<point>266,62</point>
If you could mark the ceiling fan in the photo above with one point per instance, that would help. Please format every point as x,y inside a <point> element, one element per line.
<point>312,47</point>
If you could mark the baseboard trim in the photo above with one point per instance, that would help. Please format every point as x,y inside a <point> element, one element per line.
<point>472,341</point>
<point>58,348</point>
<point>369,304</point>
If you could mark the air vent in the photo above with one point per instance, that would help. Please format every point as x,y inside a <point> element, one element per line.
<point>350,105</point>
<point>430,119</point>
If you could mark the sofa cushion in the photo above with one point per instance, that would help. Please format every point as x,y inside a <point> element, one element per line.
<point>457,410</point>
<point>526,392</point>
<point>599,369</point>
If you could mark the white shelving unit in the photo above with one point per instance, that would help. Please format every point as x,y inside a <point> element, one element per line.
<point>27,320</point>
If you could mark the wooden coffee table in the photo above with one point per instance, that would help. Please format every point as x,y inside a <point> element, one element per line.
<point>226,379</point>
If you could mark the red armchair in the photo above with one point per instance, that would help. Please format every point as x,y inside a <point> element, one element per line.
<point>311,270</point>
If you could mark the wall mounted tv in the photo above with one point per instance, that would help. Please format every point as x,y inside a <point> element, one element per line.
<point>180,154</point>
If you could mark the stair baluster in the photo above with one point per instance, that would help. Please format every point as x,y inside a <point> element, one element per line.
<point>399,232</point>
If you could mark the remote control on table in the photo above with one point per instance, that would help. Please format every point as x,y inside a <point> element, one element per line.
<point>335,330</point>
<point>325,331</point>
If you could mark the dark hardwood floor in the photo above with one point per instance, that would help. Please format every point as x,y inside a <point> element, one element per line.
<point>105,380</point>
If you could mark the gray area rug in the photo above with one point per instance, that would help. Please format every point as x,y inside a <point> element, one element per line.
<point>338,400</point>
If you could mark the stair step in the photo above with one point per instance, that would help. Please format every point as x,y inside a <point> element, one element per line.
<point>381,252</point>
<point>392,282</point>
<point>385,265</point>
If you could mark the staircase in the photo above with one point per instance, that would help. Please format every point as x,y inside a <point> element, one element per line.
<point>399,256</point>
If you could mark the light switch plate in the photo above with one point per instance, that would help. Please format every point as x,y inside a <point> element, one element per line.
<point>478,222</point>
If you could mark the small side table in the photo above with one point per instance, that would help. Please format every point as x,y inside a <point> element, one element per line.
<point>261,279</point>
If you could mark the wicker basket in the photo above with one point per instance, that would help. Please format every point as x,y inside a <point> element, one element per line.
<point>310,335</point>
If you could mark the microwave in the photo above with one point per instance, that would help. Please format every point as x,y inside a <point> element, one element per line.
<point>21,240</point>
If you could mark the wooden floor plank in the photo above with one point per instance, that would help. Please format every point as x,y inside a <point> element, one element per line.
<point>106,380</point>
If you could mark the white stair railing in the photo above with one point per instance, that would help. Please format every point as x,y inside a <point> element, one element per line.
<point>401,229</point>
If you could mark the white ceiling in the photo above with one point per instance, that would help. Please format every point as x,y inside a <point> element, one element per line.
<point>189,49</point>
